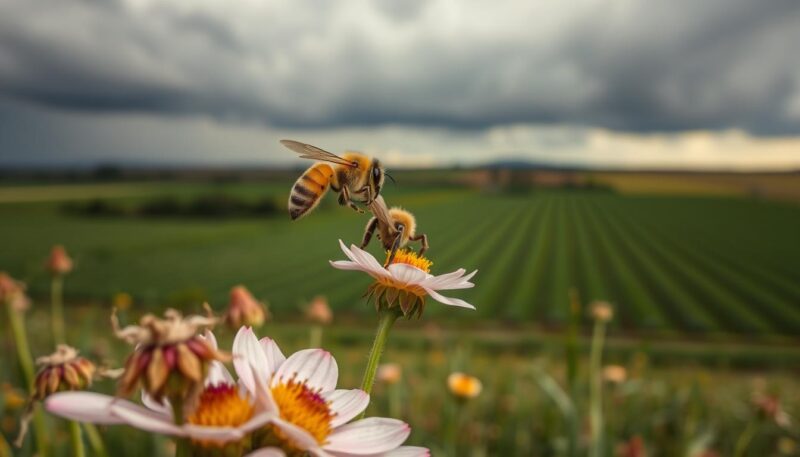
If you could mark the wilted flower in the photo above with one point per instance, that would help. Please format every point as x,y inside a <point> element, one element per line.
<point>390,373</point>
<point>170,358</point>
<point>311,415</point>
<point>601,311</point>
<point>464,386</point>
<point>244,309</point>
<point>59,263</point>
<point>615,373</point>
<point>319,311</point>
<point>634,447</point>
<point>221,420</point>
<point>62,370</point>
<point>406,282</point>
<point>12,292</point>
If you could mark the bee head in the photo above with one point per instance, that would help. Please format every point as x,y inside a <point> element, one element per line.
<point>376,177</point>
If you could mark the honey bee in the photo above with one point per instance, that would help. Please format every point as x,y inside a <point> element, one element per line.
<point>355,177</point>
<point>396,227</point>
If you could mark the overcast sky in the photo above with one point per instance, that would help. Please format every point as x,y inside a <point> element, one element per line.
<point>711,83</point>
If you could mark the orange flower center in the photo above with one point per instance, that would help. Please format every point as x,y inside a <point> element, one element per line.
<point>221,406</point>
<point>410,257</point>
<point>305,408</point>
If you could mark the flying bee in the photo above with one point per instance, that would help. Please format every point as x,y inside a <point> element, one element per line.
<point>396,227</point>
<point>355,177</point>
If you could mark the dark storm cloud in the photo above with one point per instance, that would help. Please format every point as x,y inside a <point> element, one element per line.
<point>627,65</point>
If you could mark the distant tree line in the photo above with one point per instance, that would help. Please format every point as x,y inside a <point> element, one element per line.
<point>211,206</point>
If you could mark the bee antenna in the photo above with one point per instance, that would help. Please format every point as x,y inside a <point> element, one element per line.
<point>390,177</point>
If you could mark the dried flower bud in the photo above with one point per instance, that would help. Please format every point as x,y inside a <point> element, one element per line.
<point>615,373</point>
<point>464,386</point>
<point>244,309</point>
<point>602,311</point>
<point>634,447</point>
<point>319,311</point>
<point>171,359</point>
<point>390,373</point>
<point>12,292</point>
<point>769,408</point>
<point>62,370</point>
<point>59,263</point>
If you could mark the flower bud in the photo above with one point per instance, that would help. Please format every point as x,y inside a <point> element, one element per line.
<point>390,373</point>
<point>464,386</point>
<point>59,263</point>
<point>171,359</point>
<point>244,309</point>
<point>319,311</point>
<point>12,292</point>
<point>62,370</point>
<point>615,374</point>
<point>601,311</point>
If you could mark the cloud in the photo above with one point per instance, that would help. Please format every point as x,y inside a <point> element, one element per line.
<point>629,65</point>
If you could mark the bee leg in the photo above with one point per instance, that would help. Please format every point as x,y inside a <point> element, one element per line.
<point>424,239</point>
<point>371,226</point>
<point>395,245</point>
<point>344,200</point>
<point>367,194</point>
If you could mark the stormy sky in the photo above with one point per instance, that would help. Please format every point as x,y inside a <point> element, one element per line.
<point>714,83</point>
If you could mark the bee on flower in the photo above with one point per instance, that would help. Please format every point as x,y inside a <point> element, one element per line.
<point>244,309</point>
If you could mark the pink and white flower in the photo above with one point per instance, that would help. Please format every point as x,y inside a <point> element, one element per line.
<point>309,413</point>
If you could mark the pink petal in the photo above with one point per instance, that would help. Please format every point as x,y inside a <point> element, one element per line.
<point>299,436</point>
<point>347,252</point>
<point>448,300</point>
<point>275,357</point>
<point>368,260</point>
<point>83,407</point>
<point>247,353</point>
<point>218,374</point>
<point>200,432</point>
<point>346,265</point>
<point>402,451</point>
<point>267,452</point>
<point>163,408</point>
<point>346,404</point>
<point>316,367</point>
<point>144,419</point>
<point>368,436</point>
<point>211,339</point>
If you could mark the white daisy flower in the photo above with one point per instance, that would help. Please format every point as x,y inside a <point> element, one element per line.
<point>222,416</point>
<point>310,414</point>
<point>406,281</point>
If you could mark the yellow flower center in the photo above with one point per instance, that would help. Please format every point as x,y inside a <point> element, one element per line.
<point>410,257</point>
<point>221,406</point>
<point>464,386</point>
<point>305,408</point>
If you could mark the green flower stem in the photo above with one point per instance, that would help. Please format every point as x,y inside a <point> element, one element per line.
<point>57,303</point>
<point>596,389</point>
<point>15,319</point>
<point>745,438</point>
<point>386,318</point>
<point>76,440</point>
<point>5,449</point>
<point>315,338</point>
<point>95,440</point>
<point>181,444</point>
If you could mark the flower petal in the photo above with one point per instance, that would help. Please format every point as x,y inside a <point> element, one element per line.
<point>299,436</point>
<point>368,260</point>
<point>316,367</point>
<point>275,357</point>
<point>407,274</point>
<point>346,404</point>
<point>267,452</point>
<point>448,300</point>
<point>368,436</point>
<point>164,407</point>
<point>144,419</point>
<point>218,374</point>
<point>247,353</point>
<point>83,407</point>
<point>346,265</point>
<point>402,451</point>
<point>212,340</point>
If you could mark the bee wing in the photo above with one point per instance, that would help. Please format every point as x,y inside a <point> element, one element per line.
<point>379,210</point>
<point>307,151</point>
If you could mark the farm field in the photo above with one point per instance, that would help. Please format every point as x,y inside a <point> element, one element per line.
<point>669,264</point>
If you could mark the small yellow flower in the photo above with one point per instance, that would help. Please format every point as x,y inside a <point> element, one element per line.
<point>122,301</point>
<point>13,398</point>
<point>464,386</point>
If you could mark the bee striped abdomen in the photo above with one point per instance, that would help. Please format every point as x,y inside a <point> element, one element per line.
<point>309,189</point>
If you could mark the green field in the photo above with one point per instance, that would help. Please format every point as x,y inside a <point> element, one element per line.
<point>669,264</point>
